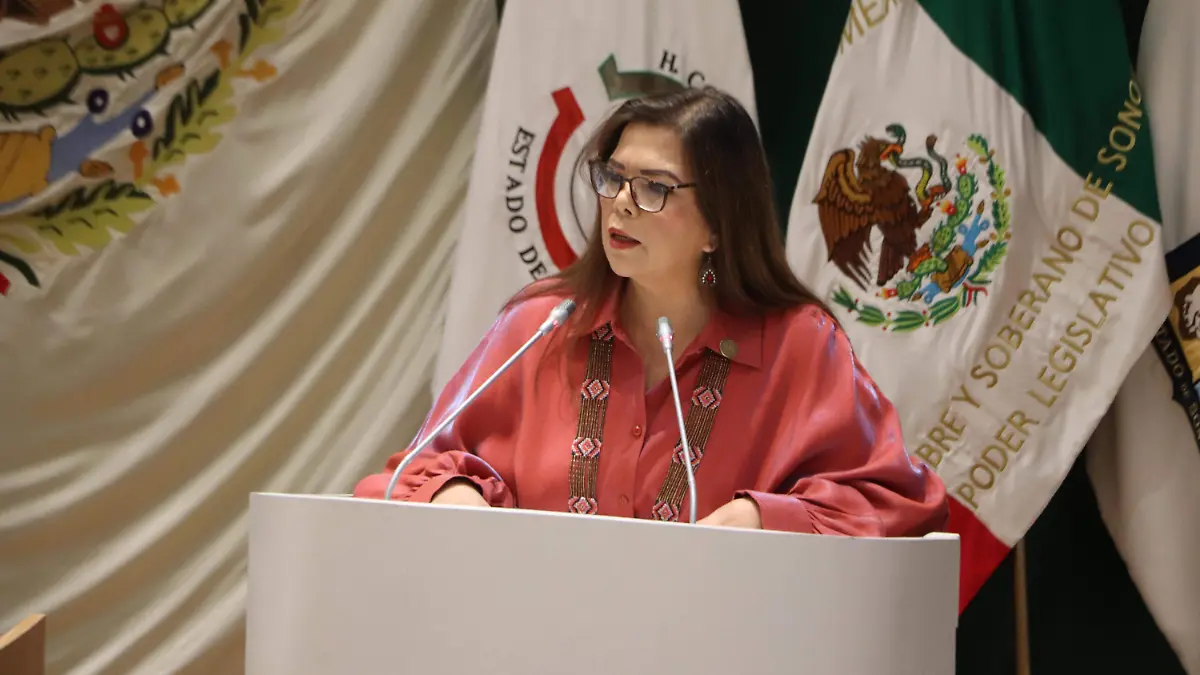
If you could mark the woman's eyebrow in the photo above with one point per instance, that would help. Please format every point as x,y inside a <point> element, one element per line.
<point>645,172</point>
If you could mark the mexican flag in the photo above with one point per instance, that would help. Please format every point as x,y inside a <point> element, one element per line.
<point>225,234</point>
<point>1145,464</point>
<point>978,205</point>
<point>558,68</point>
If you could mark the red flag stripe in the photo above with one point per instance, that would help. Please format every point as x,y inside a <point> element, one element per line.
<point>981,552</point>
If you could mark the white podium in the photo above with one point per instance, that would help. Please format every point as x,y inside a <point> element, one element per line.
<point>346,586</point>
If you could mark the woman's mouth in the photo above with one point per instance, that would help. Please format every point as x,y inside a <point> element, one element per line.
<point>619,240</point>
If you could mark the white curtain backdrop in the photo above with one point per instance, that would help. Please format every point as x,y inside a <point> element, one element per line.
<point>270,325</point>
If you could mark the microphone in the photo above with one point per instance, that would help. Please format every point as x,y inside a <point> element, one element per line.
<point>558,317</point>
<point>666,336</point>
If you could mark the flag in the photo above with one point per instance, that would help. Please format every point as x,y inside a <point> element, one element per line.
<point>225,233</point>
<point>977,203</point>
<point>1145,461</point>
<point>559,67</point>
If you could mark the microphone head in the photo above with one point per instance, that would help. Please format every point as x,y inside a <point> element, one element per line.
<point>564,309</point>
<point>665,335</point>
<point>558,316</point>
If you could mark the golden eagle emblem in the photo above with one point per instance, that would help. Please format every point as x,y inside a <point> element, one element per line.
<point>939,240</point>
<point>859,193</point>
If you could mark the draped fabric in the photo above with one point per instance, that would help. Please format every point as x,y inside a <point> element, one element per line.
<point>225,243</point>
<point>1144,461</point>
<point>966,234</point>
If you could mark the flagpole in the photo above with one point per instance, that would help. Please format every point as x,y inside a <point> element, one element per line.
<point>1021,610</point>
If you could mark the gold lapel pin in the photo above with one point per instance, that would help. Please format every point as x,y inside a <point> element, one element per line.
<point>729,348</point>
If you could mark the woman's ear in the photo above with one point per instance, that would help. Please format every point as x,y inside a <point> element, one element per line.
<point>712,244</point>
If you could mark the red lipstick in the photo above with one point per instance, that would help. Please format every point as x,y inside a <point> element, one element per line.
<point>618,239</point>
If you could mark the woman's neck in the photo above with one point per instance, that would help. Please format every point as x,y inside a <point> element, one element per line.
<point>686,308</point>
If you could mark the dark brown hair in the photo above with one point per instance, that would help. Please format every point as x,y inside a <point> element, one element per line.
<point>733,192</point>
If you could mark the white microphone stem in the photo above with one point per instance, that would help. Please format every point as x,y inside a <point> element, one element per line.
<point>556,319</point>
<point>666,336</point>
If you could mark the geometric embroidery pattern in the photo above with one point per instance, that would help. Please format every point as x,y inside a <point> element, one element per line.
<point>702,413</point>
<point>589,431</point>
<point>664,511</point>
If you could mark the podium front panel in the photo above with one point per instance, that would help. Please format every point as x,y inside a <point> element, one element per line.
<point>340,585</point>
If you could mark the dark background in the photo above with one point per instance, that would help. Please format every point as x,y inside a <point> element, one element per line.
<point>1085,614</point>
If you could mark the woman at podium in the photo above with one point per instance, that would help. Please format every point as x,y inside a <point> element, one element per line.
<point>787,430</point>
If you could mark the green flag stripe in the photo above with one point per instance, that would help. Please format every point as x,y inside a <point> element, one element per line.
<point>1067,64</point>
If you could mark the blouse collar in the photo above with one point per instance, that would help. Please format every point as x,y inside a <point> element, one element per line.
<point>738,338</point>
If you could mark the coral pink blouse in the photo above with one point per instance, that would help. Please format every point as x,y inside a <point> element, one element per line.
<point>777,409</point>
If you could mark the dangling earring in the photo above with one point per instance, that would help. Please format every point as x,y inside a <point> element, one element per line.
<point>708,273</point>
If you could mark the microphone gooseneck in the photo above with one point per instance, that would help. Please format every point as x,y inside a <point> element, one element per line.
<point>666,337</point>
<point>558,317</point>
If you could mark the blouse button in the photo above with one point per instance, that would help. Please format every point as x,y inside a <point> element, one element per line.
<point>637,431</point>
<point>624,500</point>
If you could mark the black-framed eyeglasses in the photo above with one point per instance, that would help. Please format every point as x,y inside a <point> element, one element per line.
<point>649,195</point>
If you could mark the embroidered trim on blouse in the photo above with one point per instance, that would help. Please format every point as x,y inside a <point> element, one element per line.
<point>589,434</point>
<point>702,412</point>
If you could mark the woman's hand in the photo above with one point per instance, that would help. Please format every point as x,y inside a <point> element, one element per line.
<point>459,492</point>
<point>741,512</point>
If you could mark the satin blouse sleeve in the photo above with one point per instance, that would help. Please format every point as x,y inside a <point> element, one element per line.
<point>487,427</point>
<point>840,466</point>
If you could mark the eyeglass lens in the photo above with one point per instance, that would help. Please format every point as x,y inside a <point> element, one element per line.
<point>647,194</point>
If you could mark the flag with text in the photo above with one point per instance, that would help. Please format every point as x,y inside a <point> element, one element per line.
<point>979,191</point>
<point>1145,461</point>
<point>557,70</point>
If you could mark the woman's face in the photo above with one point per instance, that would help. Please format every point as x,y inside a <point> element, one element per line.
<point>664,248</point>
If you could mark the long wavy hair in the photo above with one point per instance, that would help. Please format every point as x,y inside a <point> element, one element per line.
<point>734,194</point>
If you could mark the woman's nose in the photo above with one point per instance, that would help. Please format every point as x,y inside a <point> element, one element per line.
<point>624,201</point>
